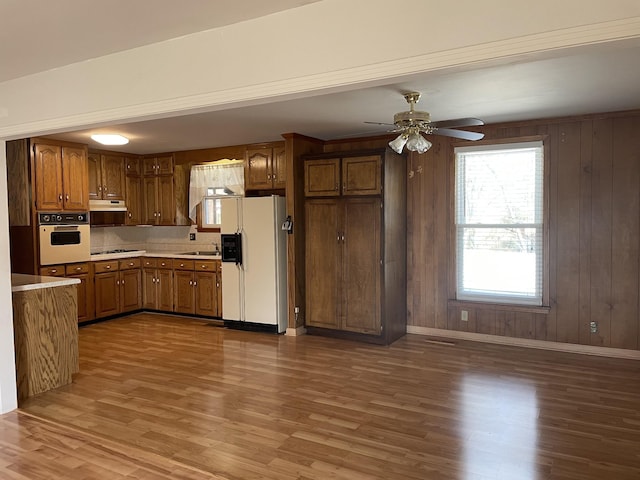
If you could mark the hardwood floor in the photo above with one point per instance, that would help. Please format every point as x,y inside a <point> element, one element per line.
<point>168,397</point>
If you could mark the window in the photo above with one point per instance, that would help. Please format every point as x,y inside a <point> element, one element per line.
<point>211,209</point>
<point>208,182</point>
<point>499,223</point>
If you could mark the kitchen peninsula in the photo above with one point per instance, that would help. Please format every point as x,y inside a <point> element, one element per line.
<point>45,322</point>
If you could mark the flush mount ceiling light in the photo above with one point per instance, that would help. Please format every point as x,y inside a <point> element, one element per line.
<point>110,139</point>
<point>413,123</point>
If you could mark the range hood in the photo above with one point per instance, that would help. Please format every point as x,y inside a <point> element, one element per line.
<point>107,206</point>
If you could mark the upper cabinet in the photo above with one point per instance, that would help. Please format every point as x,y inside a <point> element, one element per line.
<point>106,176</point>
<point>265,168</point>
<point>157,165</point>
<point>332,177</point>
<point>60,177</point>
<point>159,203</point>
<point>133,188</point>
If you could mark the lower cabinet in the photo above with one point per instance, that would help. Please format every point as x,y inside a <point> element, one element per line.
<point>81,271</point>
<point>157,284</point>
<point>118,286</point>
<point>197,287</point>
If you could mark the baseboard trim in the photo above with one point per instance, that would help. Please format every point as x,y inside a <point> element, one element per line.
<point>524,342</point>
<point>297,331</point>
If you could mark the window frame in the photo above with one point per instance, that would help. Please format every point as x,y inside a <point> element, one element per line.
<point>202,227</point>
<point>499,142</point>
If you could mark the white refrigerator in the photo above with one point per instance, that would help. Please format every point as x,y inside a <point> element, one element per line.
<point>255,290</point>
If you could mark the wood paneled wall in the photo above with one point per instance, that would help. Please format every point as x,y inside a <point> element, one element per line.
<point>593,204</point>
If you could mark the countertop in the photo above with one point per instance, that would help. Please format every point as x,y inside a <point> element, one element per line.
<point>21,282</point>
<point>146,253</point>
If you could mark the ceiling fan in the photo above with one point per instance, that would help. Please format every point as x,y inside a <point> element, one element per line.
<point>412,123</point>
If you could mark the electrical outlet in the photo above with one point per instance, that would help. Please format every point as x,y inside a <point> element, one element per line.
<point>594,327</point>
<point>192,236</point>
<point>464,315</point>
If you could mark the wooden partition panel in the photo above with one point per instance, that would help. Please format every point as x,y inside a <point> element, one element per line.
<point>592,182</point>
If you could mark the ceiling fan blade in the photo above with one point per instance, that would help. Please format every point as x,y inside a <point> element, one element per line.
<point>380,123</point>
<point>448,132</point>
<point>458,122</point>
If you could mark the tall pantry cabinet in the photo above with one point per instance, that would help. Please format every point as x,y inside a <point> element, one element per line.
<point>355,227</point>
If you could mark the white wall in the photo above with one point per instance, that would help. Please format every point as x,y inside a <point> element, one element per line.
<point>326,46</point>
<point>8,394</point>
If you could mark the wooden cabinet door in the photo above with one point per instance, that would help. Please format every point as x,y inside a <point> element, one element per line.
<point>257,170</point>
<point>166,201</point>
<point>219,291</point>
<point>322,178</point>
<point>132,166</point>
<point>164,165</point>
<point>107,294</point>
<point>361,265</point>
<point>149,291</point>
<point>362,175</point>
<point>323,262</point>
<point>74,179</point>
<point>149,192</point>
<point>130,290</point>
<point>48,177</point>
<point>279,168</point>
<point>206,294</point>
<point>94,171</point>
<point>85,297</point>
<point>164,285</point>
<point>184,292</point>
<point>113,187</point>
<point>134,200</point>
<point>149,166</point>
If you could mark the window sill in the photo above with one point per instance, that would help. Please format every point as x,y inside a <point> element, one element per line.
<point>500,306</point>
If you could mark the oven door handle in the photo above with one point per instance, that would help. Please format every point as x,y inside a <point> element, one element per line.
<point>65,227</point>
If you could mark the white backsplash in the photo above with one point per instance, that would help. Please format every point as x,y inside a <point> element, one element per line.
<point>152,239</point>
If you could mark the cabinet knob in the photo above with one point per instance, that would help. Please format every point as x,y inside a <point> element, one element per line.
<point>104,187</point>
<point>195,283</point>
<point>122,282</point>
<point>60,197</point>
<point>54,270</point>
<point>99,188</point>
<point>78,269</point>
<point>204,266</point>
<point>131,264</point>
<point>67,197</point>
<point>129,214</point>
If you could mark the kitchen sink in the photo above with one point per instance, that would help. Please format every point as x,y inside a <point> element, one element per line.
<point>201,252</point>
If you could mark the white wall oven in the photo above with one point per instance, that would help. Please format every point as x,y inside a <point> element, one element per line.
<point>64,237</point>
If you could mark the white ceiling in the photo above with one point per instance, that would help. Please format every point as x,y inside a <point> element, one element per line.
<point>596,79</point>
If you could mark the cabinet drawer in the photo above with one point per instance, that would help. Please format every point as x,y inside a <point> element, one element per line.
<point>205,266</point>
<point>129,263</point>
<point>164,263</point>
<point>106,266</point>
<point>149,262</point>
<point>181,264</point>
<point>77,268</point>
<point>52,271</point>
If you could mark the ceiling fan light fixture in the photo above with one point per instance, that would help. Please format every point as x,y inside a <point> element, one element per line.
<point>417,143</point>
<point>398,144</point>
